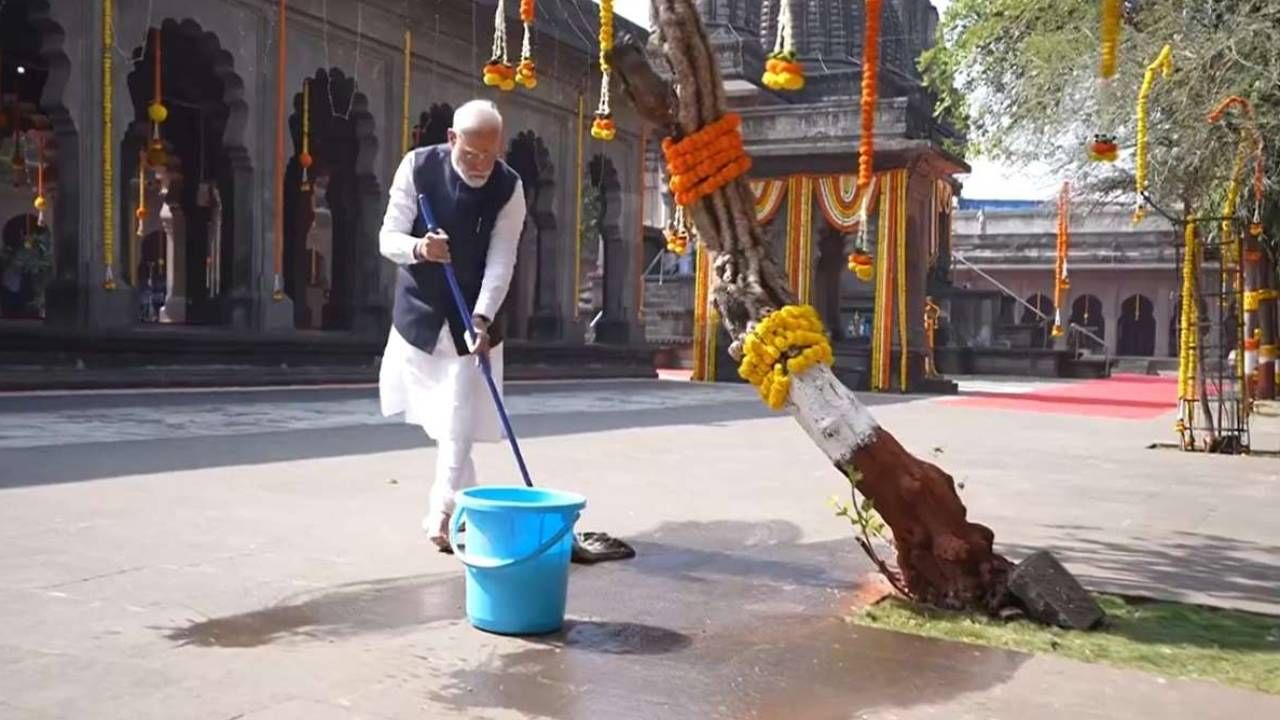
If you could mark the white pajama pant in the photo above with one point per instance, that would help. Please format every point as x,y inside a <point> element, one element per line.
<point>454,471</point>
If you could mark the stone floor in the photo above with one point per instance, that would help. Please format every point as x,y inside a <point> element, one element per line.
<point>256,555</point>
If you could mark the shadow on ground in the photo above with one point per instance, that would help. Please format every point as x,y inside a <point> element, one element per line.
<point>1185,566</point>
<point>715,620</point>
<point>46,465</point>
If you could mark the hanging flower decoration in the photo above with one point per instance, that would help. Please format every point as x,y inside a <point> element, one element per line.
<point>787,342</point>
<point>707,160</point>
<point>677,232</point>
<point>870,81</point>
<point>1103,148</point>
<point>860,264</point>
<point>305,161</point>
<point>498,72</point>
<point>781,70</point>
<point>40,203</point>
<point>526,72</point>
<point>1061,282</point>
<point>1163,64</point>
<point>1249,135</point>
<point>602,127</point>
<point>140,212</point>
<point>1111,12</point>
<point>157,158</point>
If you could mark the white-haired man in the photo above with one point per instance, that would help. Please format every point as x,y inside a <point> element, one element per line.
<point>427,372</point>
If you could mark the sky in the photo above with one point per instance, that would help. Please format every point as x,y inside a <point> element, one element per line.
<point>988,181</point>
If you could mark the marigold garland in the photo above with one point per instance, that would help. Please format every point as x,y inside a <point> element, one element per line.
<point>498,72</point>
<point>1103,148</point>
<point>860,264</point>
<point>526,72</point>
<point>1188,328</point>
<point>870,82</point>
<point>707,160</point>
<point>305,161</point>
<point>1110,33</point>
<point>41,202</point>
<point>781,70</point>
<point>1249,133</point>
<point>1163,64</point>
<point>1060,280</point>
<point>602,127</point>
<point>677,232</point>
<point>787,342</point>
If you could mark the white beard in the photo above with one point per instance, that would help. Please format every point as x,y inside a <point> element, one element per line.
<point>471,182</point>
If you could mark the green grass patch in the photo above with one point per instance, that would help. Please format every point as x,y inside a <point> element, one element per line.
<point>1170,639</point>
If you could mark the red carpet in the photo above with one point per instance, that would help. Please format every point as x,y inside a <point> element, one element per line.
<point>1127,397</point>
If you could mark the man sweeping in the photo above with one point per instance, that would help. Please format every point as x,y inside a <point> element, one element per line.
<point>430,368</point>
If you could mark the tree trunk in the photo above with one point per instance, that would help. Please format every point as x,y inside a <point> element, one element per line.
<point>944,559</point>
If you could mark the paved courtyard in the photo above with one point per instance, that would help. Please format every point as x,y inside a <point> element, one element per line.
<point>255,554</point>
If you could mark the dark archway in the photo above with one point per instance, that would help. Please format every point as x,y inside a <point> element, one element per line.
<point>530,301</point>
<point>34,71</point>
<point>604,264</point>
<point>832,264</point>
<point>25,259</point>
<point>327,274</point>
<point>203,174</point>
<point>433,126</point>
<point>1043,305</point>
<point>1086,311</point>
<point>1136,327</point>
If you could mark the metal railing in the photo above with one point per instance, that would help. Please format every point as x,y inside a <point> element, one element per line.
<point>1071,327</point>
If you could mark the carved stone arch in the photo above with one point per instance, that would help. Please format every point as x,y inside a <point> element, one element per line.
<point>343,147</point>
<point>199,74</point>
<point>1136,327</point>
<point>433,125</point>
<point>603,175</point>
<point>1087,312</point>
<point>531,300</point>
<point>66,294</point>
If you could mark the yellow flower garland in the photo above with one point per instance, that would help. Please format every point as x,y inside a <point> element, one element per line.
<point>1110,33</point>
<point>787,342</point>
<point>1163,64</point>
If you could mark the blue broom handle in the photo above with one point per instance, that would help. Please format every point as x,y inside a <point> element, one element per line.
<point>461,303</point>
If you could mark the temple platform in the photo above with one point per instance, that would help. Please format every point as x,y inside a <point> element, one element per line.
<point>43,358</point>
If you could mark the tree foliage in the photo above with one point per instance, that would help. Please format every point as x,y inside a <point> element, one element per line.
<point>1026,73</point>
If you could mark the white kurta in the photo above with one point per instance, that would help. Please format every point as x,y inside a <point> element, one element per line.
<point>442,391</point>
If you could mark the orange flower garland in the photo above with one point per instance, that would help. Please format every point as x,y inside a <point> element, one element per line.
<point>526,73</point>
<point>1060,281</point>
<point>677,232</point>
<point>781,71</point>
<point>860,264</point>
<point>870,76</point>
<point>602,127</point>
<point>707,160</point>
<point>1255,227</point>
<point>498,72</point>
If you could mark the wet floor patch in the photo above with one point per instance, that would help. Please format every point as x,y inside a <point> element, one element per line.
<point>368,607</point>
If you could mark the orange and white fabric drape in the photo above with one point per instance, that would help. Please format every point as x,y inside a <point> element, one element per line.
<point>705,319</point>
<point>799,256</point>
<point>840,202</point>
<point>768,196</point>
<point>891,284</point>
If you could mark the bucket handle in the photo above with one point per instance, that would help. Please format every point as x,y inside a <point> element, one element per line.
<point>471,562</point>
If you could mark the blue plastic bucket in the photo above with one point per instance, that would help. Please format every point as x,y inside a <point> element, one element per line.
<point>518,545</point>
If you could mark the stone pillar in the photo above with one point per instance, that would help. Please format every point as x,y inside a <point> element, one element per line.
<point>920,208</point>
<point>175,259</point>
<point>1162,310</point>
<point>1111,324</point>
<point>618,229</point>
<point>545,322</point>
